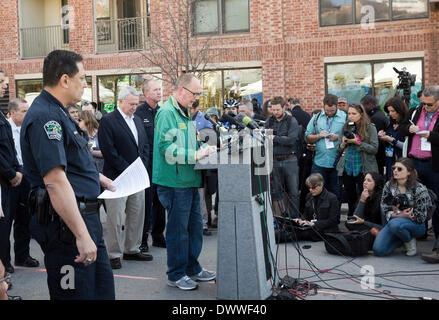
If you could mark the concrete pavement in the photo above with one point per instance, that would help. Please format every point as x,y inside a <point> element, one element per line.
<point>407,278</point>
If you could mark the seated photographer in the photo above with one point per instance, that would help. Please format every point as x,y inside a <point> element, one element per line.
<point>358,145</point>
<point>321,211</point>
<point>405,203</point>
<point>368,215</point>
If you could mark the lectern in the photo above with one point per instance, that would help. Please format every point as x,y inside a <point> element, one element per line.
<point>246,246</point>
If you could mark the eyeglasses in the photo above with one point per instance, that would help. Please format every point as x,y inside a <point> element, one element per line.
<point>195,94</point>
<point>314,187</point>
<point>427,104</point>
<point>6,279</point>
<point>397,168</point>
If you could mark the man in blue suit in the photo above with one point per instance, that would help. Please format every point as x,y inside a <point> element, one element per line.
<point>123,139</point>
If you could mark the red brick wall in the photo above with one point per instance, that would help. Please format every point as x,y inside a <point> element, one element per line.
<point>285,37</point>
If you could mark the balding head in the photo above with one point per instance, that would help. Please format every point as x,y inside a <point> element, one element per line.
<point>187,90</point>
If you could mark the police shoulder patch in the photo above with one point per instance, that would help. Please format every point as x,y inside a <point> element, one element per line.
<point>53,130</point>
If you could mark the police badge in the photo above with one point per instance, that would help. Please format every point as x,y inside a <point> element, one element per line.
<point>53,130</point>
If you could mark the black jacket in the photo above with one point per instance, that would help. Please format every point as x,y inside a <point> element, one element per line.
<point>147,114</point>
<point>433,139</point>
<point>381,122</point>
<point>118,145</point>
<point>301,116</point>
<point>326,209</point>
<point>285,133</point>
<point>8,157</point>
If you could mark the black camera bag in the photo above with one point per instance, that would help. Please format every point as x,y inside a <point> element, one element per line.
<point>351,243</point>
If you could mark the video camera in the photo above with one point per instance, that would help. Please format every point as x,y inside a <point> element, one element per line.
<point>406,82</point>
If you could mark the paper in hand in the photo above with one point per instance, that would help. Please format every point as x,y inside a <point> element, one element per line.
<point>133,179</point>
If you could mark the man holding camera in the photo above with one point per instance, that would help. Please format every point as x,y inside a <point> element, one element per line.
<point>285,167</point>
<point>422,129</point>
<point>322,132</point>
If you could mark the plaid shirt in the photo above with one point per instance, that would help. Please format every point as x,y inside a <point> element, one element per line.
<point>353,164</point>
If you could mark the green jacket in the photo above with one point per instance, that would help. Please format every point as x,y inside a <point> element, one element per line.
<point>175,146</point>
<point>368,149</point>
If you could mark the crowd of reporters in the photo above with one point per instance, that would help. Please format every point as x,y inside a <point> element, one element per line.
<point>352,153</point>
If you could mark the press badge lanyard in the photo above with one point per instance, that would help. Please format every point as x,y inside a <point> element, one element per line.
<point>329,123</point>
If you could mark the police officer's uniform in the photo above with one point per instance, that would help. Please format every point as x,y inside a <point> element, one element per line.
<point>8,169</point>
<point>154,212</point>
<point>51,138</point>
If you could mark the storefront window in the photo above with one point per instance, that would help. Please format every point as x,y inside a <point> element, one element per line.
<point>386,80</point>
<point>212,88</point>
<point>110,86</point>
<point>29,89</point>
<point>354,80</point>
<point>226,84</point>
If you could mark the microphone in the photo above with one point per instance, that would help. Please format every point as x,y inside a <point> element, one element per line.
<point>250,123</point>
<point>213,123</point>
<point>229,117</point>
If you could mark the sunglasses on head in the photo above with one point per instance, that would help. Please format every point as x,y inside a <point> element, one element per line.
<point>357,107</point>
<point>397,168</point>
<point>427,104</point>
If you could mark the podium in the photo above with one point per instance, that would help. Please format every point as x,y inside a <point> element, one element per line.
<point>246,246</point>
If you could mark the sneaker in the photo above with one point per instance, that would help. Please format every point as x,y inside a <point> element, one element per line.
<point>410,247</point>
<point>204,275</point>
<point>185,283</point>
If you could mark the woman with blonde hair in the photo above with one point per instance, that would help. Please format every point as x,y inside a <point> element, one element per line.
<point>358,145</point>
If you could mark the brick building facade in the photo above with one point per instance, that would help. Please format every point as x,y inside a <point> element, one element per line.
<point>286,42</point>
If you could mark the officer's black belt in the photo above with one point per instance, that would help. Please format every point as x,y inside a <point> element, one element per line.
<point>88,207</point>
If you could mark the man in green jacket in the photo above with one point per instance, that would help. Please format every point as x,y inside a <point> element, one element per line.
<point>176,151</point>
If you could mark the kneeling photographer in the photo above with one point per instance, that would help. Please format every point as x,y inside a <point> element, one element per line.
<point>405,203</point>
<point>358,145</point>
<point>321,211</point>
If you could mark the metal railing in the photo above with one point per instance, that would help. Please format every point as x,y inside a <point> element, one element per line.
<point>37,42</point>
<point>121,35</point>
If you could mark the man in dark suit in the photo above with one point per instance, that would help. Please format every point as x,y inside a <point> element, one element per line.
<point>155,214</point>
<point>10,177</point>
<point>123,139</point>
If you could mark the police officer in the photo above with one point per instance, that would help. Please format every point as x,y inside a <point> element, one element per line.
<point>57,161</point>
<point>10,177</point>
<point>155,214</point>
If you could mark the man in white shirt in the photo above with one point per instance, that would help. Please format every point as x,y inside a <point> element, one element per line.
<point>122,140</point>
<point>18,196</point>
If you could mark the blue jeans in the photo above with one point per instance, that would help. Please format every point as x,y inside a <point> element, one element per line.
<point>332,183</point>
<point>184,230</point>
<point>395,233</point>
